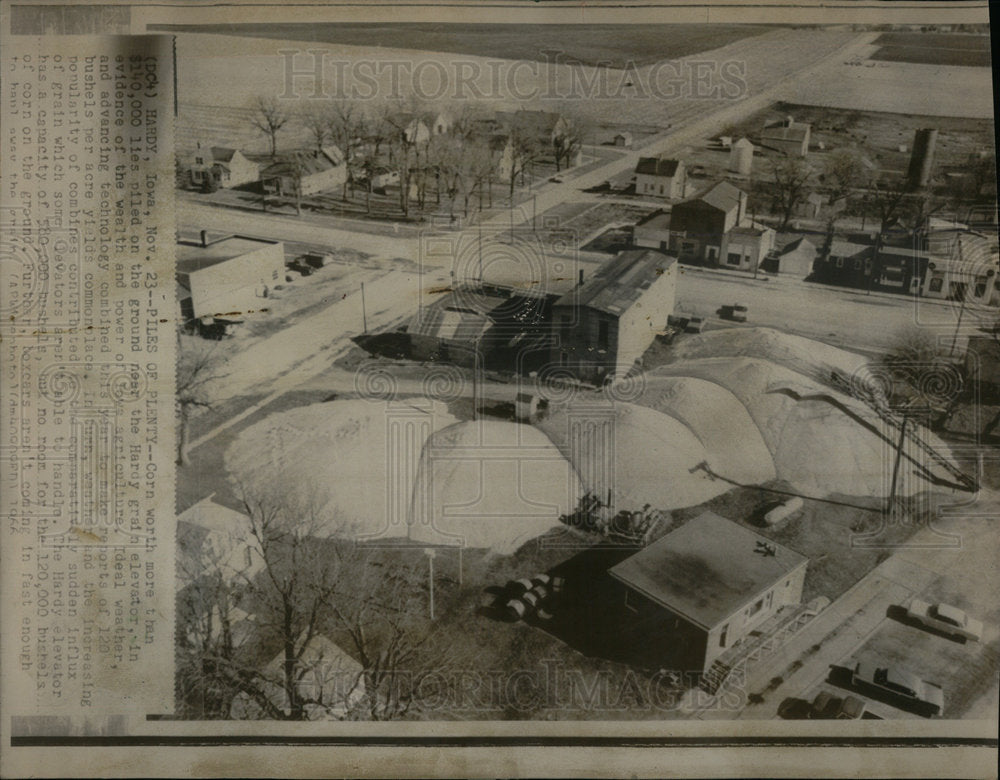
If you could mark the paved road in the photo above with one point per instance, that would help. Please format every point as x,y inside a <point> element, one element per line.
<point>846,318</point>
<point>306,348</point>
<point>850,621</point>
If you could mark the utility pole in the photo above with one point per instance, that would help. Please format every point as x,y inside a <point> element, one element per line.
<point>364,312</point>
<point>965,295</point>
<point>895,467</point>
<point>430,553</point>
<point>875,253</point>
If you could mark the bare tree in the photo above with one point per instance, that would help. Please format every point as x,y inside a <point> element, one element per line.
<point>789,186</point>
<point>843,174</point>
<point>316,122</point>
<point>888,197</point>
<point>526,148</point>
<point>269,118</point>
<point>197,366</point>
<point>923,375</point>
<point>345,123</point>
<point>577,127</point>
<point>311,590</point>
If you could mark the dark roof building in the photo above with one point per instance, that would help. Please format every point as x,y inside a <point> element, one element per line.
<point>711,582</point>
<point>604,325</point>
<point>620,282</point>
<point>707,569</point>
<point>657,166</point>
<point>790,137</point>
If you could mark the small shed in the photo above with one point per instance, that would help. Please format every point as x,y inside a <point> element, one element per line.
<point>623,139</point>
<point>796,259</point>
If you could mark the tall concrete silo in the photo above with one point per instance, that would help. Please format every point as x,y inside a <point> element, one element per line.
<point>741,157</point>
<point>922,158</point>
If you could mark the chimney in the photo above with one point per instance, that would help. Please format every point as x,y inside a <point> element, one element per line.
<point>204,238</point>
<point>580,283</point>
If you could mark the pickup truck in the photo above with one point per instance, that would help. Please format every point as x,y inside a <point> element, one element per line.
<point>894,685</point>
<point>946,619</point>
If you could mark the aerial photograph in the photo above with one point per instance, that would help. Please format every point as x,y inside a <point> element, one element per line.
<point>586,372</point>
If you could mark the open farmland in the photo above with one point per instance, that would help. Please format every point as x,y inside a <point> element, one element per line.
<point>934,49</point>
<point>587,44</point>
<point>215,92</point>
<point>867,82</point>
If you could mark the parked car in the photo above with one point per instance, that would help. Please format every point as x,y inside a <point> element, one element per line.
<point>892,684</point>
<point>315,259</point>
<point>299,267</point>
<point>946,619</point>
<point>826,706</point>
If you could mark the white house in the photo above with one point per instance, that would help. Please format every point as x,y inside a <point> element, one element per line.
<point>312,171</point>
<point>327,680</point>
<point>660,177</point>
<point>229,166</point>
<point>213,539</point>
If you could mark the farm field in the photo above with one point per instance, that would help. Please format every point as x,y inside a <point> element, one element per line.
<point>215,92</point>
<point>934,49</point>
<point>868,84</point>
<point>586,44</point>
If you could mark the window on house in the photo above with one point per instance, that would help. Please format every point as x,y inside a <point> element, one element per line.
<point>722,635</point>
<point>663,246</point>
<point>936,284</point>
<point>274,274</point>
<point>661,189</point>
<point>199,160</point>
<point>602,334</point>
<point>980,286</point>
<point>757,607</point>
<point>733,258</point>
<point>840,262</point>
